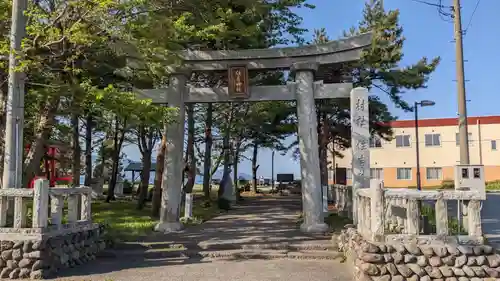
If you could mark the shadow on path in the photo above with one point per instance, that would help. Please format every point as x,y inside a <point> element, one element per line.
<point>270,222</point>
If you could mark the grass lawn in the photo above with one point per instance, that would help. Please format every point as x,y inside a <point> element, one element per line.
<point>122,219</point>
<point>337,222</point>
<point>125,223</point>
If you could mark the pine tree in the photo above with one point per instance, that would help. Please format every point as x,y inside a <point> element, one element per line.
<point>379,66</point>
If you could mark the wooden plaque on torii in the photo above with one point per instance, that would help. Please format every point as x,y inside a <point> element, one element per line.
<point>238,82</point>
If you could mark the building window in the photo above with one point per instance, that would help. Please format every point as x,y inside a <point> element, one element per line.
<point>404,174</point>
<point>434,173</point>
<point>457,139</point>
<point>376,174</point>
<point>432,139</point>
<point>375,142</point>
<point>493,145</point>
<point>348,174</point>
<point>402,140</point>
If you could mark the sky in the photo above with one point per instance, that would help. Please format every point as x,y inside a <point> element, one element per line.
<point>426,35</point>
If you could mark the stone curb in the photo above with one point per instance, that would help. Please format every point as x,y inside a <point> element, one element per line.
<point>227,254</point>
<point>425,262</point>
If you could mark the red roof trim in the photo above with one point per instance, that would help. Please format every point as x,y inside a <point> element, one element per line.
<point>441,122</point>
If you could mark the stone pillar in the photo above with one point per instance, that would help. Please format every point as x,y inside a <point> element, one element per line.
<point>188,206</point>
<point>308,145</point>
<point>172,174</point>
<point>325,200</point>
<point>360,134</point>
<point>40,203</point>
<point>377,205</point>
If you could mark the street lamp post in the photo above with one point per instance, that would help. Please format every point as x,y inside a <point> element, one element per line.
<point>417,149</point>
<point>272,170</point>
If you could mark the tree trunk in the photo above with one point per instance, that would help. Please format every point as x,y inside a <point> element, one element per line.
<point>255,166</point>
<point>88,150</point>
<point>207,162</point>
<point>146,172</point>
<point>227,158</point>
<point>101,168</point>
<point>160,165</point>
<point>75,169</point>
<point>236,160</point>
<point>42,132</point>
<point>119,136</point>
<point>191,161</point>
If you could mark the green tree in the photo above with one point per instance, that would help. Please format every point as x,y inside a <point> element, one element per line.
<point>380,68</point>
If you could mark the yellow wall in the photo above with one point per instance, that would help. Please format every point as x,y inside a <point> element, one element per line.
<point>445,156</point>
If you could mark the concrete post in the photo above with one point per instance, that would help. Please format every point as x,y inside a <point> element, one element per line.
<point>40,203</point>
<point>474,220</point>
<point>325,200</point>
<point>56,210</point>
<point>86,210</point>
<point>188,206</point>
<point>308,146</point>
<point>412,218</point>
<point>377,210</point>
<point>172,175</point>
<point>441,217</point>
<point>73,214</point>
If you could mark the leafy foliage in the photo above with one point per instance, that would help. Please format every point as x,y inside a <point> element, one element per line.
<point>379,66</point>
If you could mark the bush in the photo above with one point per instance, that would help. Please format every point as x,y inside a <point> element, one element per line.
<point>447,184</point>
<point>493,185</point>
<point>128,187</point>
<point>191,220</point>
<point>63,182</point>
<point>224,204</point>
<point>453,225</point>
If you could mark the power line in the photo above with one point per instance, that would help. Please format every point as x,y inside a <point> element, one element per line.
<point>471,17</point>
<point>427,3</point>
<point>445,16</point>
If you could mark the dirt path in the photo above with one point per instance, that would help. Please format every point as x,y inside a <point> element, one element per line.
<point>257,221</point>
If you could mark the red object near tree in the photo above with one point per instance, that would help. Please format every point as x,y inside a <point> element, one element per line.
<point>49,162</point>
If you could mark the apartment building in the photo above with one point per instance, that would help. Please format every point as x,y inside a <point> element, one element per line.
<point>395,161</point>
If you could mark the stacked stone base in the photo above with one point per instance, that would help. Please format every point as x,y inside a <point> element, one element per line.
<point>38,259</point>
<point>436,261</point>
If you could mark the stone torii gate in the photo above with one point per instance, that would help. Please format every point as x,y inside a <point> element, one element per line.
<point>305,62</point>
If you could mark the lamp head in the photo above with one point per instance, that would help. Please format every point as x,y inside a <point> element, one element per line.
<point>426,103</point>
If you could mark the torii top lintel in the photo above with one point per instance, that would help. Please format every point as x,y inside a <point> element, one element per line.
<point>343,50</point>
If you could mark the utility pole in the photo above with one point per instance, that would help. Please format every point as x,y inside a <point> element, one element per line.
<point>15,99</point>
<point>463,130</point>
<point>461,98</point>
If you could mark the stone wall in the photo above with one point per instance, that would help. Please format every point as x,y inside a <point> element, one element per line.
<point>398,261</point>
<point>38,259</point>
